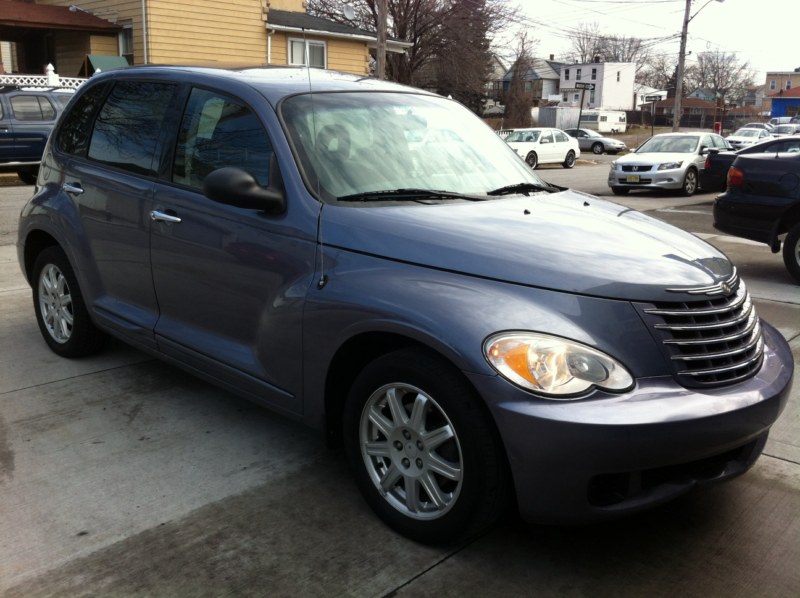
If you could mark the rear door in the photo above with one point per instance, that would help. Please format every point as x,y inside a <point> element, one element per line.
<point>32,117</point>
<point>110,176</point>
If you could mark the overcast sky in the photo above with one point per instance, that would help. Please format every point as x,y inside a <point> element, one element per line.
<point>762,32</point>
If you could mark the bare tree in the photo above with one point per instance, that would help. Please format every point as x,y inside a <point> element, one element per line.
<point>518,103</point>
<point>586,43</point>
<point>722,73</point>
<point>450,38</point>
<point>621,48</point>
<point>657,71</point>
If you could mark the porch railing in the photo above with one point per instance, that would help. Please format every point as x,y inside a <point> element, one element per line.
<point>49,79</point>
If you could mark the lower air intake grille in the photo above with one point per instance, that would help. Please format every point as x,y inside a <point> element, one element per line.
<point>712,341</point>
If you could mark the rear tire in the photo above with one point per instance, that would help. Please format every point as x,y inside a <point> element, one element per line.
<point>532,159</point>
<point>28,175</point>
<point>423,450</point>
<point>791,252</point>
<point>569,161</point>
<point>60,310</point>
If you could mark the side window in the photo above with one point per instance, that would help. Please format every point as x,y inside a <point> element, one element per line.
<point>1,110</point>
<point>25,107</point>
<point>561,137</point>
<point>73,136</point>
<point>547,137</point>
<point>129,125</point>
<point>219,131</point>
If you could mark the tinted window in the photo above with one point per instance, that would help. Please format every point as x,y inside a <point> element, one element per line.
<point>219,131</point>
<point>32,107</point>
<point>73,136</point>
<point>129,125</point>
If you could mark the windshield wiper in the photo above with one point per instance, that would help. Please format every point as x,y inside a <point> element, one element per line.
<point>407,195</point>
<point>524,188</point>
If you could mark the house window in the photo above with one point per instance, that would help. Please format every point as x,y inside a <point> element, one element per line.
<point>566,74</point>
<point>576,97</point>
<point>126,43</point>
<point>617,76</point>
<point>773,84</point>
<point>789,84</point>
<point>578,75</point>
<point>299,49</point>
<point>566,98</point>
<point>594,74</point>
<point>591,97</point>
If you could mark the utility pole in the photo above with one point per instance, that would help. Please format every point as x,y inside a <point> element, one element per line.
<point>380,50</point>
<point>676,120</point>
<point>676,117</point>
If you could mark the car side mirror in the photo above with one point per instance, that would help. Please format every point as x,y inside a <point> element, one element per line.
<point>235,187</point>
<point>704,150</point>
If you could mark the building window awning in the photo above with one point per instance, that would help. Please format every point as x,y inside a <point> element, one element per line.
<point>98,62</point>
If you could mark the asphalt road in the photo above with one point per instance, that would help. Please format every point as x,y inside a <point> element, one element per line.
<point>121,476</point>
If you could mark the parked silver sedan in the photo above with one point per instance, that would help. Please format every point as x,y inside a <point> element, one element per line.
<point>592,141</point>
<point>665,161</point>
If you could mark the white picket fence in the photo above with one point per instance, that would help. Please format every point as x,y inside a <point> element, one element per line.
<point>49,79</point>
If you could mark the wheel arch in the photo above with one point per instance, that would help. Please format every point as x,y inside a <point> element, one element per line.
<point>35,242</point>
<point>354,355</point>
<point>789,219</point>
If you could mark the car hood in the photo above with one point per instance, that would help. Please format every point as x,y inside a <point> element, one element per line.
<point>566,241</point>
<point>654,158</point>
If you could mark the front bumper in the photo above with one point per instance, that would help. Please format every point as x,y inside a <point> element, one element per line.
<point>590,460</point>
<point>647,179</point>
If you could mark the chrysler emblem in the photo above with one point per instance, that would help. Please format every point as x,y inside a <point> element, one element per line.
<point>726,288</point>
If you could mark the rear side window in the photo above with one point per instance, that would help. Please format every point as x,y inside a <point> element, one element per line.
<point>73,136</point>
<point>128,127</point>
<point>218,131</point>
<point>32,108</point>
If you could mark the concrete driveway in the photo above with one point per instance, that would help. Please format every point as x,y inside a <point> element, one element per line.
<point>122,476</point>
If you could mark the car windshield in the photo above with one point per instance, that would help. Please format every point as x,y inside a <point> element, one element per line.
<point>523,136</point>
<point>669,144</point>
<point>747,133</point>
<point>590,133</point>
<point>357,143</point>
<point>787,129</point>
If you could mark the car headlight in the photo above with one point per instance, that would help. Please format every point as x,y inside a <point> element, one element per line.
<point>669,165</point>
<point>553,366</point>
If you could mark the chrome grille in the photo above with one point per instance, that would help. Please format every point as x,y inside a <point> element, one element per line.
<point>711,341</point>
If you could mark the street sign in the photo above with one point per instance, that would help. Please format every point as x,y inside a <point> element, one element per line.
<point>652,98</point>
<point>584,86</point>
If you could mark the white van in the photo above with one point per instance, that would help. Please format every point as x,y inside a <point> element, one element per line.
<point>604,121</point>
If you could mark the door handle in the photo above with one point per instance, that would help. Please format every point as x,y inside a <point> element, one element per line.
<point>73,188</point>
<point>157,216</point>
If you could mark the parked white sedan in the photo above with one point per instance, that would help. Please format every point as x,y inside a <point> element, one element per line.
<point>544,146</point>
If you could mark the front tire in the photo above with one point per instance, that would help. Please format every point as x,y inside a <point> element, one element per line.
<point>597,148</point>
<point>689,183</point>
<point>532,159</point>
<point>60,310</point>
<point>619,190</point>
<point>569,161</point>
<point>422,448</point>
<point>791,252</point>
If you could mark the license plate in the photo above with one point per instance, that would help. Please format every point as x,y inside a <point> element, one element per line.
<point>632,178</point>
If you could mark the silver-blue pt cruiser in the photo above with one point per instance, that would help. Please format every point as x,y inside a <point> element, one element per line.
<point>374,261</point>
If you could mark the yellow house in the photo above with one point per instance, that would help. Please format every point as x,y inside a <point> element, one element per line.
<point>69,33</point>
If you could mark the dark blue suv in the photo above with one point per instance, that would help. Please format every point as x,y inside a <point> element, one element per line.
<point>27,116</point>
<point>374,261</point>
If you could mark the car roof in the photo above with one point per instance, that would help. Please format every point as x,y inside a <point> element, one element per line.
<point>274,82</point>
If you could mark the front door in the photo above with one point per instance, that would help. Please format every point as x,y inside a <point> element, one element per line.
<point>231,282</point>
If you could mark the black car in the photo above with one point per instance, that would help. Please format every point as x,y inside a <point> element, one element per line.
<point>714,176</point>
<point>763,202</point>
<point>27,116</point>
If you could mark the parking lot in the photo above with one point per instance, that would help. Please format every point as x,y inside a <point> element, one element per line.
<point>122,476</point>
